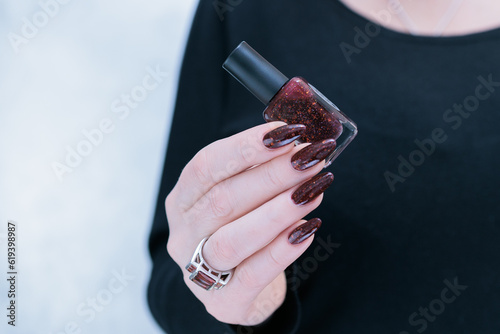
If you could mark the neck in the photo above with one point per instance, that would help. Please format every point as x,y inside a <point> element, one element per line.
<point>431,17</point>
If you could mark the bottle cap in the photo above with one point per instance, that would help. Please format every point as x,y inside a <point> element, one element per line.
<point>254,72</point>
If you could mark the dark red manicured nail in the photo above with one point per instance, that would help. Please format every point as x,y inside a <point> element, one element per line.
<point>312,154</point>
<point>304,231</point>
<point>312,188</point>
<point>283,135</point>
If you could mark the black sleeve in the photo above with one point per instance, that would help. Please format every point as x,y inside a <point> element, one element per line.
<point>199,107</point>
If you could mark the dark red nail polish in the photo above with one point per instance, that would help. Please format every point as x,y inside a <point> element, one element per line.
<point>312,154</point>
<point>312,188</point>
<point>304,231</point>
<point>283,135</point>
<point>293,101</point>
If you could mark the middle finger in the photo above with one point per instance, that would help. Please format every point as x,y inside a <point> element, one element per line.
<point>239,195</point>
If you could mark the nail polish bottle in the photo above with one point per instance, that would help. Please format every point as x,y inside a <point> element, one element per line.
<point>293,101</point>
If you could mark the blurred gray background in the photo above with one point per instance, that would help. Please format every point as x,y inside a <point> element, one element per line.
<point>86,95</point>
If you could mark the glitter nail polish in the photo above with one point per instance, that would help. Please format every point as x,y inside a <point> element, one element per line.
<point>312,154</point>
<point>304,231</point>
<point>283,135</point>
<point>311,189</point>
<point>293,101</point>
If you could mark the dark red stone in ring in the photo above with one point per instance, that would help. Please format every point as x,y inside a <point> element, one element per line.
<point>203,280</point>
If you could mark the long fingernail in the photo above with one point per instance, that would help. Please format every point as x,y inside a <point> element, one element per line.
<point>283,135</point>
<point>312,154</point>
<point>312,188</point>
<point>304,231</point>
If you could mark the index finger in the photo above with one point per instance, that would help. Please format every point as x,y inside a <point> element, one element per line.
<point>222,159</point>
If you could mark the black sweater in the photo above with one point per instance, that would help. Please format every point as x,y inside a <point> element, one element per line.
<point>410,240</point>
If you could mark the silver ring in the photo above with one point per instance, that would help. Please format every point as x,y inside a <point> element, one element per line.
<point>204,275</point>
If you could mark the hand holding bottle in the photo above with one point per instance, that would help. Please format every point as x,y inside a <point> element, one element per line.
<point>248,194</point>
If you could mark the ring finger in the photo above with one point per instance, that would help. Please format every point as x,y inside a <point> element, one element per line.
<point>235,242</point>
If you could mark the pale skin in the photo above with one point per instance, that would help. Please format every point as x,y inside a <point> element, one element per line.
<point>473,15</point>
<point>238,192</point>
<point>248,214</point>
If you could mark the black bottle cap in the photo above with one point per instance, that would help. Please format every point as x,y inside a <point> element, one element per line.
<point>254,72</point>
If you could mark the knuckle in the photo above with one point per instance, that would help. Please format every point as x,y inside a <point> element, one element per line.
<point>276,260</point>
<point>241,154</point>
<point>219,201</point>
<point>245,151</point>
<point>277,218</point>
<point>224,252</point>
<point>248,278</point>
<point>201,167</point>
<point>272,178</point>
<point>205,168</point>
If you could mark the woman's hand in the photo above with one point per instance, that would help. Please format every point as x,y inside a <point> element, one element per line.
<point>250,200</point>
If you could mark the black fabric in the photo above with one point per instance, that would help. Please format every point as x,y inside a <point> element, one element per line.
<point>420,256</point>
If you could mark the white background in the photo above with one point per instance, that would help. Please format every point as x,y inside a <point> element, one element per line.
<point>77,233</point>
